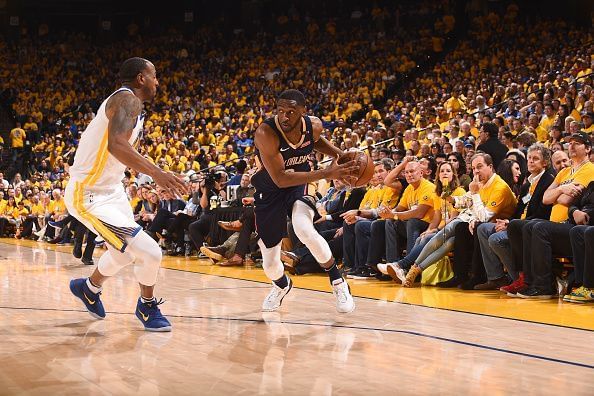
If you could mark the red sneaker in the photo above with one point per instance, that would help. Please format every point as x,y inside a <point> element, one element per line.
<point>515,287</point>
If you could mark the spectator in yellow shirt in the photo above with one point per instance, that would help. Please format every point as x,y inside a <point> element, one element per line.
<point>412,215</point>
<point>372,113</point>
<point>228,156</point>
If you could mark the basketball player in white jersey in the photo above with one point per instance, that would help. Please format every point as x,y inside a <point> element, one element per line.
<point>95,194</point>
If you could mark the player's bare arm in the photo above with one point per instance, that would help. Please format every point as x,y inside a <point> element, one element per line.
<point>267,144</point>
<point>123,110</point>
<point>322,144</point>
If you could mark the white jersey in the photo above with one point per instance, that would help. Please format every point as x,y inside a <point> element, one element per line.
<point>94,167</point>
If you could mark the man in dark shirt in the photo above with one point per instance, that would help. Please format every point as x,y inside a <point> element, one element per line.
<point>491,143</point>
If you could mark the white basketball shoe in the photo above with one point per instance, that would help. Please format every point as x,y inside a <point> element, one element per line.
<point>274,299</point>
<point>344,299</point>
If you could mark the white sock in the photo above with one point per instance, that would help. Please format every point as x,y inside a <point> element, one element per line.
<point>147,300</point>
<point>92,287</point>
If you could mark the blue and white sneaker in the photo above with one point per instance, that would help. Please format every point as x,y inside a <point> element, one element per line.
<point>150,316</point>
<point>55,224</point>
<point>92,301</point>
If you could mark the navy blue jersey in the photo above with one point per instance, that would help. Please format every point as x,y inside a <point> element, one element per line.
<point>272,203</point>
<point>295,157</point>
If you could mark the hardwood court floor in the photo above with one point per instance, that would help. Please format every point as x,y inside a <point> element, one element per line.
<point>222,344</point>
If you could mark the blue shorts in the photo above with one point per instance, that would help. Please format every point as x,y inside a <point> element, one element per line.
<point>271,210</point>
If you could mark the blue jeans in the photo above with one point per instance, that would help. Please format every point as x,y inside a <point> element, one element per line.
<point>438,246</point>
<point>411,256</point>
<point>355,243</point>
<point>410,229</point>
<point>496,252</point>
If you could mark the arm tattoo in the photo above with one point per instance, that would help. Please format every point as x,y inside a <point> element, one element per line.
<point>123,112</point>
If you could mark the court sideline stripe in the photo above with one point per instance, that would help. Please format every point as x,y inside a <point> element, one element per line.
<point>363,297</point>
<point>397,302</point>
<point>340,326</point>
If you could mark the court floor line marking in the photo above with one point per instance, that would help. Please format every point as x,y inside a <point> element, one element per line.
<point>363,297</point>
<point>229,288</point>
<point>398,302</point>
<point>341,326</point>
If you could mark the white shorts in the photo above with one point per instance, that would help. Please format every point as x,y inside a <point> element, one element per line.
<point>106,212</point>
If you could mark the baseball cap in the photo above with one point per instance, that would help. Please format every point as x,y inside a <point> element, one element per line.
<point>582,137</point>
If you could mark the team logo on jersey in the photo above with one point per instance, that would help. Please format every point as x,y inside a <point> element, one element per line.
<point>296,160</point>
<point>305,144</point>
<point>493,203</point>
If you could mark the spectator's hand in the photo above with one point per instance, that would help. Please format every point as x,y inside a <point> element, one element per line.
<point>475,185</point>
<point>572,189</point>
<point>247,201</point>
<point>428,231</point>
<point>320,220</point>
<point>338,232</point>
<point>449,199</point>
<point>385,212</point>
<point>408,158</point>
<point>472,226</point>
<point>581,218</point>
<point>501,225</point>
<point>350,216</point>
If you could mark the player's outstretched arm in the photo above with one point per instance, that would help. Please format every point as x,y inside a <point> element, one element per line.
<point>123,110</point>
<point>267,143</point>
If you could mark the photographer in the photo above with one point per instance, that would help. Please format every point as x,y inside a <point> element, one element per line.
<point>211,195</point>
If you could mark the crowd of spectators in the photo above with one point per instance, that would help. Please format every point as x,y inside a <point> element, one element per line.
<point>494,140</point>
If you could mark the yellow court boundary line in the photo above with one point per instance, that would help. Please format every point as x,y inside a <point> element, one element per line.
<point>495,304</point>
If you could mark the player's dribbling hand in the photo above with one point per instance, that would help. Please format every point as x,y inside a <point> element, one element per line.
<point>346,172</point>
<point>174,184</point>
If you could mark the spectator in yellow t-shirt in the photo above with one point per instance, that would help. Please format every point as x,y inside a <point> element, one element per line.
<point>228,155</point>
<point>17,137</point>
<point>372,113</point>
<point>17,140</point>
<point>413,213</point>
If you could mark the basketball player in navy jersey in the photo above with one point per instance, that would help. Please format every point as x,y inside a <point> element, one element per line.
<point>283,145</point>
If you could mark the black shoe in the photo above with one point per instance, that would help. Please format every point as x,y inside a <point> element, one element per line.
<point>353,272</point>
<point>454,282</point>
<point>87,261</point>
<point>382,277</point>
<point>471,283</point>
<point>365,273</point>
<point>77,251</point>
<point>179,251</point>
<point>535,293</point>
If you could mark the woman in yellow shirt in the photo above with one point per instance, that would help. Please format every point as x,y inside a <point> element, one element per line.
<point>446,185</point>
<point>8,215</point>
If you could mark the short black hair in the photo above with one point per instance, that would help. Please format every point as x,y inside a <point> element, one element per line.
<point>241,166</point>
<point>130,69</point>
<point>490,128</point>
<point>293,94</point>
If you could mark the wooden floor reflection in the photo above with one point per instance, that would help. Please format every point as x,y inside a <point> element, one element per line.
<point>222,344</point>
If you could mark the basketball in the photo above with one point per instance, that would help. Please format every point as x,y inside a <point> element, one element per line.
<point>366,167</point>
